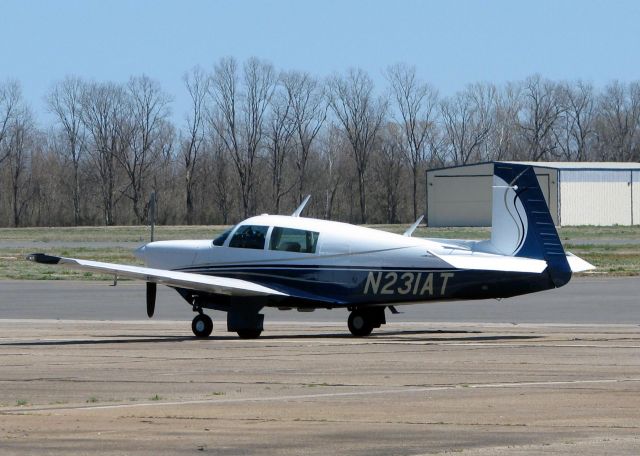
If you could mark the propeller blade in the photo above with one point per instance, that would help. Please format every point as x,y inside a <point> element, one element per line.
<point>151,298</point>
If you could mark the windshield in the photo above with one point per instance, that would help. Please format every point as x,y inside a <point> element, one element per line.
<point>223,237</point>
<point>249,237</point>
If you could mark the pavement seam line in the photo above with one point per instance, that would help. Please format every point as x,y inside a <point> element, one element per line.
<point>320,395</point>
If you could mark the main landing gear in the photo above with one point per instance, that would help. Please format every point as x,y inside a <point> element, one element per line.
<point>249,333</point>
<point>248,322</point>
<point>358,324</point>
<point>362,321</point>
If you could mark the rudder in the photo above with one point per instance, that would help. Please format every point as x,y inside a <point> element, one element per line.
<point>522,225</point>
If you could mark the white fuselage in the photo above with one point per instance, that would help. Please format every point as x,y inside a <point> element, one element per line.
<point>339,244</point>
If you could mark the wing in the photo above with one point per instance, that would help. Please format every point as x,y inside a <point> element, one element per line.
<point>189,280</point>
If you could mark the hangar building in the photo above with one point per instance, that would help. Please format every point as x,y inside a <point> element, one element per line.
<point>577,193</point>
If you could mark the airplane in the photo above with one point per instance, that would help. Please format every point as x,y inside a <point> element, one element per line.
<point>294,262</point>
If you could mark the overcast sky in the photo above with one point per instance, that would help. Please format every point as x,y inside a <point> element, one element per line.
<point>452,43</point>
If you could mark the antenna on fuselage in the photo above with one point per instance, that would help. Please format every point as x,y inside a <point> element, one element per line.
<point>413,227</point>
<point>298,211</point>
<point>152,213</point>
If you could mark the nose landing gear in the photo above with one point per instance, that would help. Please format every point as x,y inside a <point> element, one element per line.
<point>202,325</point>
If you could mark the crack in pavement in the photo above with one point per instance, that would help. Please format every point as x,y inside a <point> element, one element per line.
<point>303,397</point>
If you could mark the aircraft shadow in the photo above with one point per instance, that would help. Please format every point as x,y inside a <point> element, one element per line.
<point>397,336</point>
<point>141,339</point>
<point>474,336</point>
<point>445,332</point>
<point>462,339</point>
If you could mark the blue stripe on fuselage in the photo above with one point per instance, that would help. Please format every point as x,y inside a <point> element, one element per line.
<point>352,285</point>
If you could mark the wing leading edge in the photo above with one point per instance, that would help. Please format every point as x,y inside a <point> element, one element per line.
<point>189,280</point>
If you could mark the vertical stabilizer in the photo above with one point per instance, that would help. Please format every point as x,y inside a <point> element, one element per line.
<point>521,223</point>
<point>508,218</point>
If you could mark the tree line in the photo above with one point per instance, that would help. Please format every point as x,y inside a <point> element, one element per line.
<point>257,140</point>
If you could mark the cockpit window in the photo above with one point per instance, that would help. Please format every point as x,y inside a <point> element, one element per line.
<point>293,240</point>
<point>223,237</point>
<point>249,237</point>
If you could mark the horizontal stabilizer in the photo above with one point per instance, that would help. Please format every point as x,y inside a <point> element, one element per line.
<point>490,262</point>
<point>577,264</point>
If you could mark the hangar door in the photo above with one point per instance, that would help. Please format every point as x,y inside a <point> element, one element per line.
<point>635,197</point>
<point>460,201</point>
<point>595,197</point>
<point>466,200</point>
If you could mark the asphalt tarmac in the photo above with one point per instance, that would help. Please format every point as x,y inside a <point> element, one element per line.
<point>585,300</point>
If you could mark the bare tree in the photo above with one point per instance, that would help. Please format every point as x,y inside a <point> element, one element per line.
<point>280,134</point>
<point>222,182</point>
<point>576,125</point>
<point>149,115</point>
<point>416,104</point>
<point>21,131</point>
<point>468,120</point>
<point>242,116</point>
<point>388,170</point>
<point>504,141</point>
<point>619,123</point>
<point>105,116</point>
<point>65,101</point>
<point>10,96</point>
<point>253,142</point>
<point>542,107</point>
<point>308,111</point>
<point>331,154</point>
<point>197,84</point>
<point>360,115</point>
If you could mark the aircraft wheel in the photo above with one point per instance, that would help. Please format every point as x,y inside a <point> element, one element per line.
<point>202,325</point>
<point>249,333</point>
<point>359,324</point>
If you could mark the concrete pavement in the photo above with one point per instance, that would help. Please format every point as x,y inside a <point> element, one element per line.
<point>148,388</point>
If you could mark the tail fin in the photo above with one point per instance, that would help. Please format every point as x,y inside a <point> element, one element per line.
<point>521,223</point>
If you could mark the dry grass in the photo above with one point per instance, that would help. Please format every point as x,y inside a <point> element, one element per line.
<point>598,245</point>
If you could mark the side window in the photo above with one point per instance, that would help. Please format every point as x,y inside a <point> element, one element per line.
<point>223,237</point>
<point>292,240</point>
<point>249,237</point>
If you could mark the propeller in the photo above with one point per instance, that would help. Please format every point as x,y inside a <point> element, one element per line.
<point>152,286</point>
<point>151,298</point>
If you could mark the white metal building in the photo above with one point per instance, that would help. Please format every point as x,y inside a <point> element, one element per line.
<point>578,193</point>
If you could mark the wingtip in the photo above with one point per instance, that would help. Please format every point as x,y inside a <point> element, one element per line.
<point>43,258</point>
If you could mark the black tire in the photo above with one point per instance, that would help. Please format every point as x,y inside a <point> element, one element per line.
<point>249,333</point>
<point>202,325</point>
<point>359,324</point>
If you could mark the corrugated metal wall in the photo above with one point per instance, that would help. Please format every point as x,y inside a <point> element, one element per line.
<point>635,196</point>
<point>461,196</point>
<point>596,197</point>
